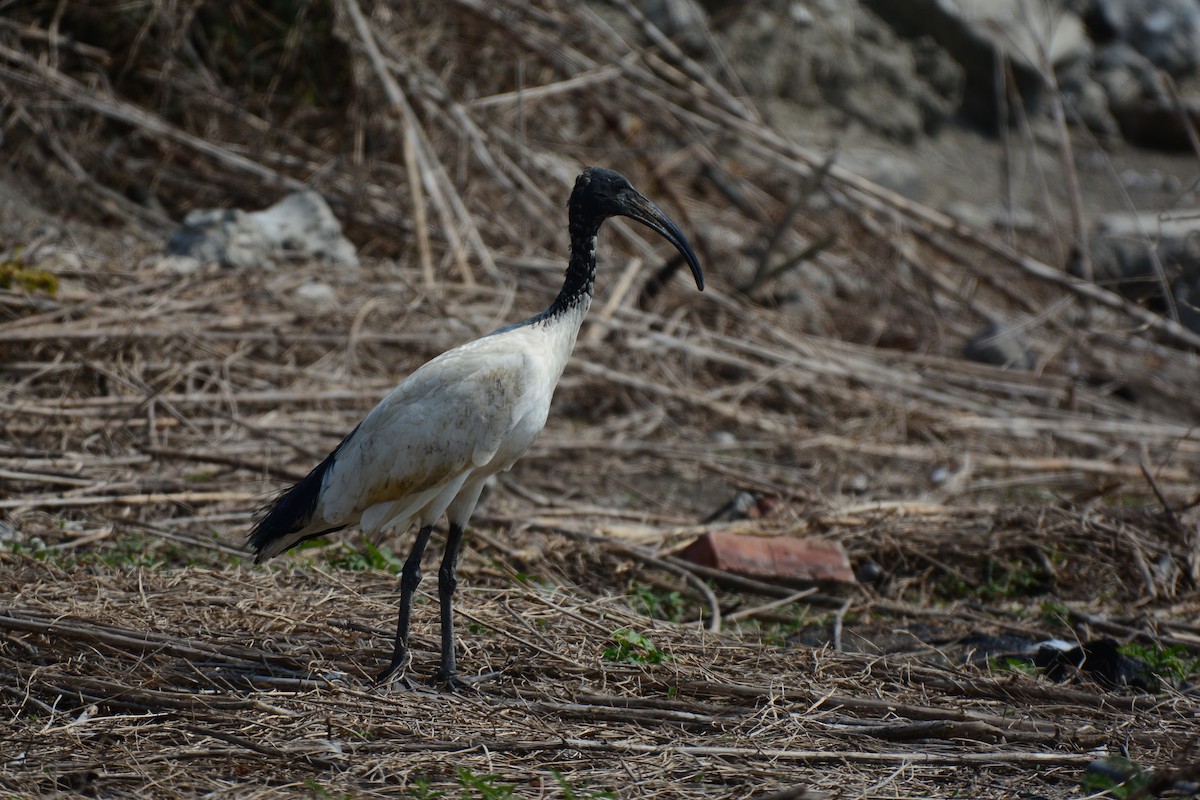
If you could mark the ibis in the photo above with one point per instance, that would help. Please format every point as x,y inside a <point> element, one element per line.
<point>431,443</point>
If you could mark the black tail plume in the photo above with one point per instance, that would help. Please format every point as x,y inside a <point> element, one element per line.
<point>292,511</point>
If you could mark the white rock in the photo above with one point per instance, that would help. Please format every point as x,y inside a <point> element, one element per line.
<point>298,228</point>
<point>178,265</point>
<point>317,294</point>
<point>58,259</point>
<point>303,224</point>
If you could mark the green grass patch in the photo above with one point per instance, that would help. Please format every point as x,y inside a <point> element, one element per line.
<point>367,557</point>
<point>779,631</point>
<point>1054,614</point>
<point>15,274</point>
<point>476,786</point>
<point>129,550</point>
<point>658,603</point>
<point>421,790</point>
<point>484,787</point>
<point>998,580</point>
<point>1012,664</point>
<point>634,648</point>
<point>1115,776</point>
<point>572,792</point>
<point>1174,664</point>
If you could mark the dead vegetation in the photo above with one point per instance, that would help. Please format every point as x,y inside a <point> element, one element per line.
<point>148,413</point>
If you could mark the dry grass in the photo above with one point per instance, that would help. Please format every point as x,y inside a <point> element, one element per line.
<point>224,680</point>
<point>147,414</point>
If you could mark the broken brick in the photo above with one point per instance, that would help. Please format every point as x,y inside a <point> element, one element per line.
<point>786,559</point>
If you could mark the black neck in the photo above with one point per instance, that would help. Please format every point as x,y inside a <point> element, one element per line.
<point>581,267</point>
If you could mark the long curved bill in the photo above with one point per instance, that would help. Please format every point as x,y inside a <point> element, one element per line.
<point>634,206</point>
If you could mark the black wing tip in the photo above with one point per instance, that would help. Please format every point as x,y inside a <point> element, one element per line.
<point>260,548</point>
<point>291,511</point>
<point>268,529</point>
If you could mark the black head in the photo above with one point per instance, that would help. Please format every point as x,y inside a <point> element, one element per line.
<point>602,193</point>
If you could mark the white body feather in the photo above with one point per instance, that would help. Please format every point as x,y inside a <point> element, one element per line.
<point>430,444</point>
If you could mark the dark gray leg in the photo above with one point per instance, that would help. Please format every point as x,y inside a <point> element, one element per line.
<point>447,583</point>
<point>410,576</point>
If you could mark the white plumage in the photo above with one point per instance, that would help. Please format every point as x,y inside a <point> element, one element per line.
<point>431,443</point>
<point>462,417</point>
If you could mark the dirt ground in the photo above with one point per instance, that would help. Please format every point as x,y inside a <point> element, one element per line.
<point>984,509</point>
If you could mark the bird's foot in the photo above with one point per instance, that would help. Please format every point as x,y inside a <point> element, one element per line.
<point>450,682</point>
<point>394,676</point>
<point>454,683</point>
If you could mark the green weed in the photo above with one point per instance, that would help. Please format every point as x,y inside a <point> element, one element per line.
<point>1001,580</point>
<point>421,790</point>
<point>658,604</point>
<point>1056,614</point>
<point>572,792</point>
<point>780,632</point>
<point>359,559</point>
<point>1174,663</point>
<point>15,274</point>
<point>1012,664</point>
<point>491,787</point>
<point>632,647</point>
<point>1119,777</point>
<point>534,581</point>
<point>484,787</point>
<point>318,791</point>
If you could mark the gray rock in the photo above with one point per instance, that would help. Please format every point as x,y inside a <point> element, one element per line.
<point>945,79</point>
<point>820,55</point>
<point>1147,115</point>
<point>684,21</point>
<point>1186,289</point>
<point>299,227</point>
<point>1152,180</point>
<point>177,265</point>
<point>1126,75</point>
<point>892,172</point>
<point>1087,102</point>
<point>317,295</point>
<point>799,14</point>
<point>57,259</point>
<point>975,32</point>
<point>994,216</point>
<point>1167,32</point>
<point>1000,345</point>
<point>1159,124</point>
<point>1140,255</point>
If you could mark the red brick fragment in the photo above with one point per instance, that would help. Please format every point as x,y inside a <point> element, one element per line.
<point>780,558</point>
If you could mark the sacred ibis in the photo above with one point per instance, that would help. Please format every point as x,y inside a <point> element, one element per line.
<point>430,444</point>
